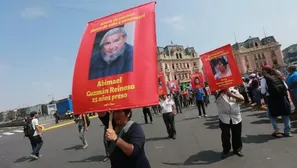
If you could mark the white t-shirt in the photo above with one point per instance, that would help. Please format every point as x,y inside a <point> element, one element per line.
<point>228,108</point>
<point>167,105</point>
<point>35,124</point>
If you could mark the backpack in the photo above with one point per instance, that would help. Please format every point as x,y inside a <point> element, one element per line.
<point>28,128</point>
<point>276,86</point>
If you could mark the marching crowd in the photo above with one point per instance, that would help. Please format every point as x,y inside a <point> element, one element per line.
<point>124,139</point>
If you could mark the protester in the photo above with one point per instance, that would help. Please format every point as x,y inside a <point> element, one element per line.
<point>277,98</point>
<point>127,142</point>
<point>177,101</point>
<point>200,102</point>
<point>230,120</point>
<point>168,113</point>
<point>291,81</point>
<point>36,140</point>
<point>82,121</point>
<point>147,112</point>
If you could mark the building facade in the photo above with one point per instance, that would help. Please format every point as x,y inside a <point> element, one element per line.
<point>252,54</point>
<point>178,62</point>
<point>290,55</point>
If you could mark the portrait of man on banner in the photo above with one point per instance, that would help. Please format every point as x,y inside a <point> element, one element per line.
<point>221,68</point>
<point>112,52</point>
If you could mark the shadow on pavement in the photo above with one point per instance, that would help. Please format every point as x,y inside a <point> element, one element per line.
<point>76,147</point>
<point>257,139</point>
<point>201,158</point>
<point>262,121</point>
<point>246,110</point>
<point>156,139</point>
<point>98,158</point>
<point>24,159</point>
<point>258,114</point>
<point>212,124</point>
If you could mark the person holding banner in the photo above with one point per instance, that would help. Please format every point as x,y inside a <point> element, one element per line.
<point>227,101</point>
<point>200,101</point>
<point>168,114</point>
<point>127,142</point>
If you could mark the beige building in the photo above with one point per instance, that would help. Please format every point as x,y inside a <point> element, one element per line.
<point>252,54</point>
<point>178,62</point>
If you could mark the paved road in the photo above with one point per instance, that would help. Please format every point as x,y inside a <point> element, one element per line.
<point>197,145</point>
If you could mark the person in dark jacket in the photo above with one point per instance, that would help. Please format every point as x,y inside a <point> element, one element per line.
<point>147,112</point>
<point>127,142</point>
<point>115,55</point>
<point>177,101</point>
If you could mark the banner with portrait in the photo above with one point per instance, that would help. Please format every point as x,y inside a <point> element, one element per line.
<point>173,86</point>
<point>116,65</point>
<point>197,80</point>
<point>221,68</point>
<point>161,84</point>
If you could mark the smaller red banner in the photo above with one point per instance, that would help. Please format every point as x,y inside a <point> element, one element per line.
<point>197,80</point>
<point>161,84</point>
<point>173,86</point>
<point>221,68</point>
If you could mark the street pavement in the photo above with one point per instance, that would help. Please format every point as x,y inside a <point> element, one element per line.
<point>197,145</point>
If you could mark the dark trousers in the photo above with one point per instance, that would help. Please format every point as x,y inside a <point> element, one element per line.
<point>169,123</point>
<point>200,105</point>
<point>178,107</point>
<point>236,136</point>
<point>147,112</point>
<point>246,97</point>
<point>36,143</point>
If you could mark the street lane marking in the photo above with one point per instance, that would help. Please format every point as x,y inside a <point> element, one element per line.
<point>64,124</point>
<point>7,133</point>
<point>19,131</point>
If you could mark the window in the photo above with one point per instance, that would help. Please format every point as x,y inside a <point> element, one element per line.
<point>245,58</point>
<point>193,54</point>
<point>180,56</point>
<point>175,78</point>
<point>177,66</point>
<point>256,44</point>
<point>275,62</point>
<point>255,57</point>
<point>188,66</point>
<point>273,53</point>
<point>194,64</point>
<point>172,66</point>
<point>263,56</point>
<point>247,66</point>
<point>259,56</point>
<point>176,56</point>
<point>166,67</point>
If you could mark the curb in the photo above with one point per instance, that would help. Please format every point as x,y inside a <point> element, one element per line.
<point>62,125</point>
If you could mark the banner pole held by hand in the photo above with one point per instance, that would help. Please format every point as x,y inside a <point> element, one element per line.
<point>110,120</point>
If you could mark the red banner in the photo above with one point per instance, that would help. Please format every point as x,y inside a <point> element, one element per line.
<point>173,86</point>
<point>161,84</point>
<point>197,80</point>
<point>221,68</point>
<point>116,65</point>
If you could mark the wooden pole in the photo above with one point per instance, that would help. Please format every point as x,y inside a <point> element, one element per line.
<point>110,126</point>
